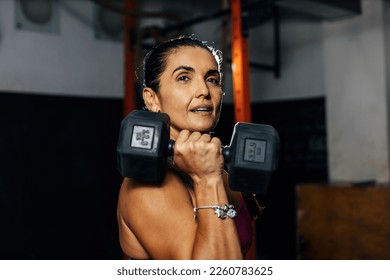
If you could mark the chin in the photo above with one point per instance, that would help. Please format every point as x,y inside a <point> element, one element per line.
<point>201,125</point>
<point>205,128</point>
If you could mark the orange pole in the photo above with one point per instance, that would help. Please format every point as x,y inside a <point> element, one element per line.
<point>240,66</point>
<point>241,85</point>
<point>129,100</point>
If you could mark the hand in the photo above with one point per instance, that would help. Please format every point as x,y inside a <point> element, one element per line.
<point>199,155</point>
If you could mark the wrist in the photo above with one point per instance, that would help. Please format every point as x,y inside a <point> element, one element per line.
<point>210,191</point>
<point>210,179</point>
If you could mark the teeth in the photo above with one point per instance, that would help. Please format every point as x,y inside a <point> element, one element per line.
<point>201,110</point>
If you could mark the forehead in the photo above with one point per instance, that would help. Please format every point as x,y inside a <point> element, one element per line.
<point>196,57</point>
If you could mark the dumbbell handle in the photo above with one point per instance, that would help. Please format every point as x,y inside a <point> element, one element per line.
<point>225,150</point>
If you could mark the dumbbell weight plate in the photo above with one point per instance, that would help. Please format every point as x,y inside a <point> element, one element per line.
<point>142,146</point>
<point>253,156</point>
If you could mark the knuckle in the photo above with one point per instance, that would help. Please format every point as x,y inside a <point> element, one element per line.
<point>215,147</point>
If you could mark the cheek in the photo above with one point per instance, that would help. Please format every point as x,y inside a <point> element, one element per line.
<point>178,98</point>
<point>175,104</point>
<point>217,97</point>
<point>175,108</point>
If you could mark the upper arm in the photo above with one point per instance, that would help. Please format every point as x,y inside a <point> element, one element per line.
<point>161,218</point>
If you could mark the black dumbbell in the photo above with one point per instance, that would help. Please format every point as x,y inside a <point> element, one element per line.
<point>144,145</point>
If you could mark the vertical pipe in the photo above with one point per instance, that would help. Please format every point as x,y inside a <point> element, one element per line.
<point>129,100</point>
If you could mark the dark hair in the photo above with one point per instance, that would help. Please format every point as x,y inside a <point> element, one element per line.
<point>155,61</point>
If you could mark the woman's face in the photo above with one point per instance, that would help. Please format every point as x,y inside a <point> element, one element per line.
<point>190,91</point>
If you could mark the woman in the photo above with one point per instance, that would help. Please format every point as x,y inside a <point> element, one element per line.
<point>191,214</point>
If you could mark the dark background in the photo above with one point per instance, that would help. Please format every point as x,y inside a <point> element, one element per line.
<point>59,182</point>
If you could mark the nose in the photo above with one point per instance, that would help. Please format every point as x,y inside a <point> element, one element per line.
<point>202,89</point>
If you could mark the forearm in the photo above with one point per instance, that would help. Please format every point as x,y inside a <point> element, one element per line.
<point>215,238</point>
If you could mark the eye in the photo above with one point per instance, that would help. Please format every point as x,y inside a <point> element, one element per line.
<point>183,78</point>
<point>213,80</point>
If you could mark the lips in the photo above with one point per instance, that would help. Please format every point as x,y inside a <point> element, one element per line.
<point>202,109</point>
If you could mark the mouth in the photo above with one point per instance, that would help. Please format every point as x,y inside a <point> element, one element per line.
<point>202,109</point>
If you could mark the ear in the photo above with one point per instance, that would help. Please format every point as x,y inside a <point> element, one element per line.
<point>151,99</point>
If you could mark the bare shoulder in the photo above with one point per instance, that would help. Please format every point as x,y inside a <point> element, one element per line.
<point>156,221</point>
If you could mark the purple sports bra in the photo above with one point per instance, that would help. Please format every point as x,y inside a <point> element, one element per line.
<point>244,225</point>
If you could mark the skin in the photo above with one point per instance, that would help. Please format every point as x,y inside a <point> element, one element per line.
<point>157,222</point>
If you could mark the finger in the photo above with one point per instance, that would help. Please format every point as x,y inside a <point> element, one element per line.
<point>194,136</point>
<point>216,140</point>
<point>205,137</point>
<point>183,136</point>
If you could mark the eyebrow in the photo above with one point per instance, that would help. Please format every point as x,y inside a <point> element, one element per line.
<point>212,72</point>
<point>190,69</point>
<point>182,67</point>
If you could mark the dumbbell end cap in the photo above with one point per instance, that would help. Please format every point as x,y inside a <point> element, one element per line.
<point>141,149</point>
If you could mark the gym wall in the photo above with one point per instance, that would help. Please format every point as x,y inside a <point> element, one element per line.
<point>58,177</point>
